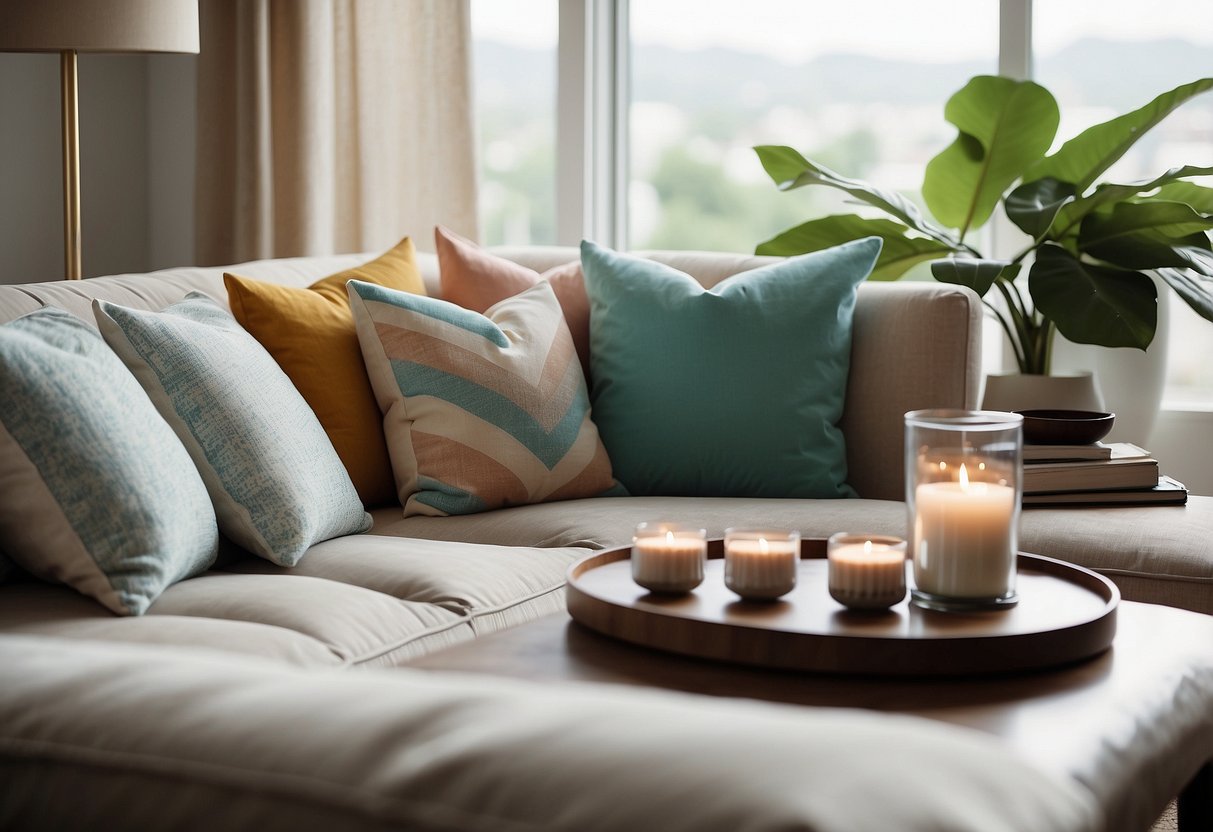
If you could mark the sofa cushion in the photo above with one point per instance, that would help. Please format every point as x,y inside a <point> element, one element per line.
<point>38,609</point>
<point>480,412</point>
<point>203,742</point>
<point>310,333</point>
<point>275,481</point>
<point>359,626</point>
<point>597,524</point>
<point>98,492</point>
<point>491,586</point>
<point>477,279</point>
<point>736,391</point>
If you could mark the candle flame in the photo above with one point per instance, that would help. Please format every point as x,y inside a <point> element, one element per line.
<point>669,537</point>
<point>943,466</point>
<point>867,547</point>
<point>964,477</point>
<point>762,545</point>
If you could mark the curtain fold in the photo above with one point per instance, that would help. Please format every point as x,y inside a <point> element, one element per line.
<point>332,126</point>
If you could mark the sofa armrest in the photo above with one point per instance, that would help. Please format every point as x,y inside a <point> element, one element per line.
<point>914,346</point>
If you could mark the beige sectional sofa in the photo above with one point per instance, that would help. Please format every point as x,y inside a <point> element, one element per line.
<point>414,585</point>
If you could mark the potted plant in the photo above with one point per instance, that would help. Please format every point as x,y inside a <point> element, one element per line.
<point>1089,244</point>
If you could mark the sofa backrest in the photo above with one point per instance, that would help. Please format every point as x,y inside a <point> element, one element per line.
<point>915,345</point>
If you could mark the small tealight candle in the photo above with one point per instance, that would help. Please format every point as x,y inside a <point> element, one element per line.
<point>761,565</point>
<point>668,557</point>
<point>866,571</point>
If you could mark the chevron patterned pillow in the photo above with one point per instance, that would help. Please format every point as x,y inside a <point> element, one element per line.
<point>480,411</point>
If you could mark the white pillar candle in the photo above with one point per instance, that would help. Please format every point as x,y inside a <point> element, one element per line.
<point>761,565</point>
<point>667,557</point>
<point>964,538</point>
<point>867,571</point>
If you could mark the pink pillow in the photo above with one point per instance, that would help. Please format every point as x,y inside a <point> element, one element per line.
<point>475,279</point>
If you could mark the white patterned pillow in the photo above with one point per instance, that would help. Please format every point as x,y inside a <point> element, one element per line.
<point>480,411</point>
<point>98,492</point>
<point>276,483</point>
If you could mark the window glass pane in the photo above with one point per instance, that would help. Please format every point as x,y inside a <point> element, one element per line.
<point>859,87</point>
<point>514,53</point>
<point>1102,58</point>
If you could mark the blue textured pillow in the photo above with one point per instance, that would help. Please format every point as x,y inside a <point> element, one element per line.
<point>276,483</point>
<point>98,492</point>
<point>735,391</point>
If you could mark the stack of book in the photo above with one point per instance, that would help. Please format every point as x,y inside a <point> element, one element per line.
<point>1099,474</point>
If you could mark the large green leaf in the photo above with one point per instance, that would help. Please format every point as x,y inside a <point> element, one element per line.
<point>1149,251</point>
<point>1198,197</point>
<point>1170,189</point>
<point>1005,125</point>
<point>898,254</point>
<point>1083,158</point>
<point>1034,205</point>
<point>789,170</point>
<point>1133,220</point>
<point>1093,304</point>
<point>1195,288</point>
<point>978,275</point>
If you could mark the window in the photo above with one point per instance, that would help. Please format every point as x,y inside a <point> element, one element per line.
<point>1079,45</point>
<point>858,87</point>
<point>514,72</point>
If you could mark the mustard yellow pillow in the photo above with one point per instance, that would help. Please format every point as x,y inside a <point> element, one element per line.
<point>310,333</point>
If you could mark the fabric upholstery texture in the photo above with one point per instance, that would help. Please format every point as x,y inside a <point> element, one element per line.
<point>310,333</point>
<point>477,279</point>
<point>446,753</point>
<point>275,481</point>
<point>98,492</point>
<point>733,391</point>
<point>479,412</point>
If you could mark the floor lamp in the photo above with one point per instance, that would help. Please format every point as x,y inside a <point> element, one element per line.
<point>70,27</point>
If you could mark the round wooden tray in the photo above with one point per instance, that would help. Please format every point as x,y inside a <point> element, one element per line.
<point>1065,613</point>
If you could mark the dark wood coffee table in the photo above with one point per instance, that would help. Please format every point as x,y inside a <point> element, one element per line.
<point>1134,724</point>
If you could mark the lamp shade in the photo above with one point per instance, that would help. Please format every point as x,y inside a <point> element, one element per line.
<point>99,25</point>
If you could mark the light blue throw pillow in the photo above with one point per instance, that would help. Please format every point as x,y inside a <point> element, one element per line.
<point>98,492</point>
<point>735,391</point>
<point>276,483</point>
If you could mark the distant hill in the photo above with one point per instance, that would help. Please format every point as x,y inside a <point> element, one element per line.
<point>723,79</point>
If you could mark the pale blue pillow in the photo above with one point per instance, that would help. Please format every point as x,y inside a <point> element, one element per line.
<point>735,391</point>
<point>276,483</point>
<point>98,492</point>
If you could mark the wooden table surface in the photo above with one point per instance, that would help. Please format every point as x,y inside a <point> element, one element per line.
<point>1134,724</point>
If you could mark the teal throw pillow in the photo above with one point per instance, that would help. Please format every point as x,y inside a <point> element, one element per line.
<point>98,492</point>
<point>735,391</point>
<point>275,481</point>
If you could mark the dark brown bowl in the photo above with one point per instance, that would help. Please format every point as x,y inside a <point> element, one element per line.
<point>1065,427</point>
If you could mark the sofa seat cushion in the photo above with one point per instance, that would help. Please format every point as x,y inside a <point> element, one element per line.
<point>205,742</point>
<point>360,626</point>
<point>1156,554</point>
<point>603,522</point>
<point>32,608</point>
<point>491,586</point>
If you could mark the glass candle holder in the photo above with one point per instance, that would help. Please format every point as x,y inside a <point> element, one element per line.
<point>964,472</point>
<point>866,571</point>
<point>668,557</point>
<point>761,564</point>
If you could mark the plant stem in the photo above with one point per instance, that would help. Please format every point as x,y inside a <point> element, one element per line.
<point>1006,327</point>
<point>1019,316</point>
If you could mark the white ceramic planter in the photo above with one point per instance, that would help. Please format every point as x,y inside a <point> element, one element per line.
<point>1061,391</point>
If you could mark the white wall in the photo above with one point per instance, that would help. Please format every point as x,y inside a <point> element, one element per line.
<point>136,164</point>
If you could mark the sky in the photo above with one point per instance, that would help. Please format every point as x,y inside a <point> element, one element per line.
<point>798,30</point>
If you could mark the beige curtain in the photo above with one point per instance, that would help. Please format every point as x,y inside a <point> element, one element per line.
<point>330,126</point>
